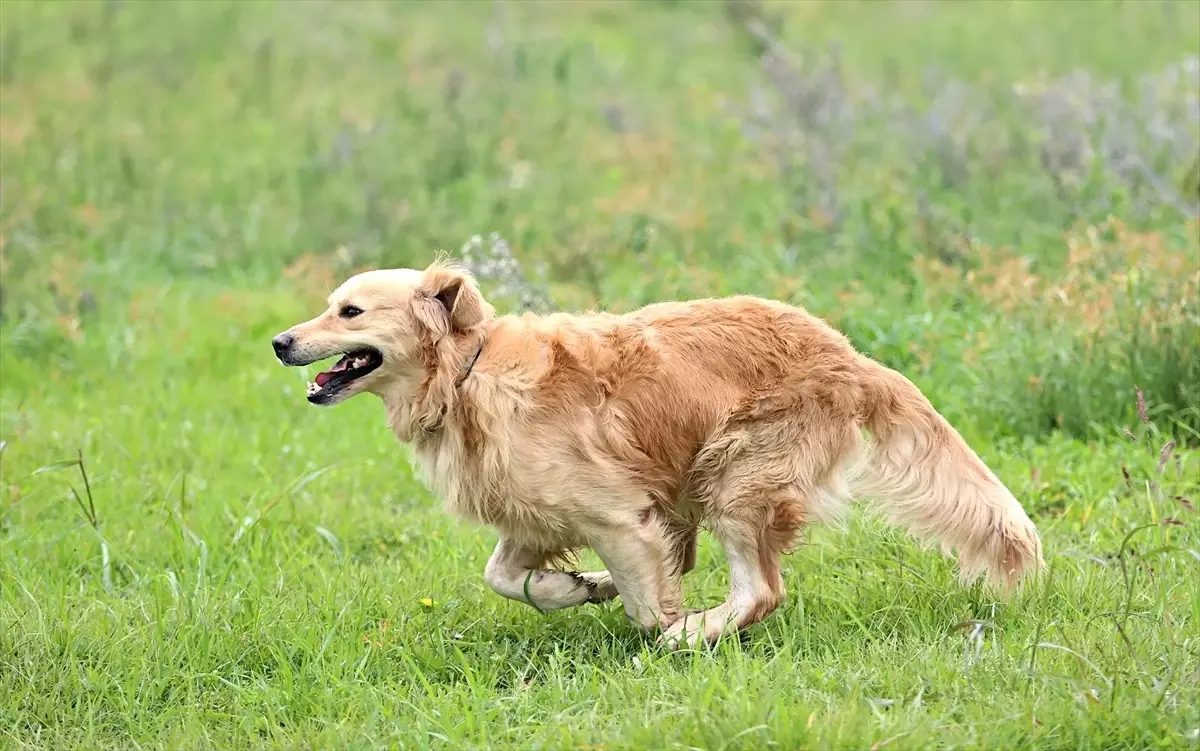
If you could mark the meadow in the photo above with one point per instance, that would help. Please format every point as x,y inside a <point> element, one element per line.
<point>999,199</point>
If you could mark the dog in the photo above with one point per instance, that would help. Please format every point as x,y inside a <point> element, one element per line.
<point>625,433</point>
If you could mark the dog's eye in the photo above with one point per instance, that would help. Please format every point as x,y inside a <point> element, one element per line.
<point>350,311</point>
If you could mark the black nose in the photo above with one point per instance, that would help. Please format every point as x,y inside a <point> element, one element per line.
<point>282,343</point>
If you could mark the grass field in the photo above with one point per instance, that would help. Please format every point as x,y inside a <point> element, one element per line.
<point>998,199</point>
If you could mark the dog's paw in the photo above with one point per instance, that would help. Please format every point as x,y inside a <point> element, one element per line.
<point>684,633</point>
<point>695,629</point>
<point>599,585</point>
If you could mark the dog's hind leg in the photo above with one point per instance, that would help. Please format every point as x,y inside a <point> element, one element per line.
<point>759,481</point>
<point>753,543</point>
<point>514,572</point>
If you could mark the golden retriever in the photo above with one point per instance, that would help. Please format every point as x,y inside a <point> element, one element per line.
<point>623,433</point>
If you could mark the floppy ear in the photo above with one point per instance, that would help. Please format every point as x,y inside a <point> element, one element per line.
<point>448,301</point>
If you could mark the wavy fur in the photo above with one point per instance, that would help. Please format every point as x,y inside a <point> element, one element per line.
<point>624,433</point>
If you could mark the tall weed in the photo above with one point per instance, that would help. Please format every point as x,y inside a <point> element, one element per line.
<point>1064,348</point>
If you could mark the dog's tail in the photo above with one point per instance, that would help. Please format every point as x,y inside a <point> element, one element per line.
<point>926,478</point>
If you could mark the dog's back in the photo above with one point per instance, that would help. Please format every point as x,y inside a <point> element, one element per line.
<point>658,383</point>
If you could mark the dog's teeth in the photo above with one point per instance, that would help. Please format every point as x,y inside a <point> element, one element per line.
<point>313,388</point>
<point>359,362</point>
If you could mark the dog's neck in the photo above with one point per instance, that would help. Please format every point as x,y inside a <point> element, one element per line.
<point>399,403</point>
<point>416,408</point>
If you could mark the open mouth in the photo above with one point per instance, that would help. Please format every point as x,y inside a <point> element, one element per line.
<point>351,367</point>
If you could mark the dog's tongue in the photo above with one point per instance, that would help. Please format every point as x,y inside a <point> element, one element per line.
<point>323,377</point>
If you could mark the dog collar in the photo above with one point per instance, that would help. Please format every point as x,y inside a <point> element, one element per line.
<point>470,366</point>
<point>436,426</point>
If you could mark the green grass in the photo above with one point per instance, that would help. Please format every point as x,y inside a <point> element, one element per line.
<point>181,181</point>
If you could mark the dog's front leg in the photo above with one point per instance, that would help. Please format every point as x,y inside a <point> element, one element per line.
<point>514,572</point>
<point>645,567</point>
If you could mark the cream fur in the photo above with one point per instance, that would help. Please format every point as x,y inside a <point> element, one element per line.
<point>623,433</point>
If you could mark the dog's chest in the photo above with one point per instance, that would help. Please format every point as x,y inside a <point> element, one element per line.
<point>460,480</point>
<point>535,502</point>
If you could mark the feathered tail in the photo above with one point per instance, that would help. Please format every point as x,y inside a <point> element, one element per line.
<point>926,478</point>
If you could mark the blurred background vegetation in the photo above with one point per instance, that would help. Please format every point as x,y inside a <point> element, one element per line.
<point>1000,199</point>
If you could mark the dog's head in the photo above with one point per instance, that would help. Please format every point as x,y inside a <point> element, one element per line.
<point>386,325</point>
